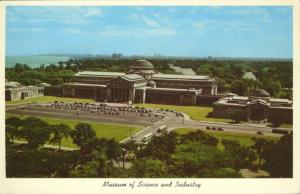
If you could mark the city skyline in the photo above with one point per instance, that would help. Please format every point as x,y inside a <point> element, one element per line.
<point>218,31</point>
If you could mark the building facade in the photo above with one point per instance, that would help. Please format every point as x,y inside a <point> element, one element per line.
<point>16,91</point>
<point>142,84</point>
<point>259,106</point>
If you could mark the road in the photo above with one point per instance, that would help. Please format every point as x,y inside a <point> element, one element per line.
<point>151,124</point>
<point>174,122</point>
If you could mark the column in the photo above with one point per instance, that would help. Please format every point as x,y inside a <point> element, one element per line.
<point>108,94</point>
<point>181,99</point>
<point>144,96</point>
<point>194,97</point>
<point>95,93</point>
<point>133,95</point>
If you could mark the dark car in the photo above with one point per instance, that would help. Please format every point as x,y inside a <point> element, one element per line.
<point>259,133</point>
<point>220,129</point>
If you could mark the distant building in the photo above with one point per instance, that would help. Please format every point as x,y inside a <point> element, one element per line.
<point>249,75</point>
<point>259,106</point>
<point>16,91</point>
<point>116,56</point>
<point>142,84</point>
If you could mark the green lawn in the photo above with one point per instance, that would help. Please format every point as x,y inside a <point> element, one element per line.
<point>242,138</point>
<point>285,125</point>
<point>115,131</point>
<point>47,99</point>
<point>195,112</point>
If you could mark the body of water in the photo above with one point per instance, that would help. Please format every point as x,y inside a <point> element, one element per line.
<point>34,60</point>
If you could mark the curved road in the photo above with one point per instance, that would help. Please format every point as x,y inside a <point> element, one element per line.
<point>151,124</point>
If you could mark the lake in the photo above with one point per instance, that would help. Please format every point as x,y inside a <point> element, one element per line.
<point>34,60</point>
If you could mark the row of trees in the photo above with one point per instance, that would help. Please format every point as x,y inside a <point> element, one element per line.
<point>273,76</point>
<point>64,71</point>
<point>195,154</point>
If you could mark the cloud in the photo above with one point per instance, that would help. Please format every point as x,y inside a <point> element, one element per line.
<point>137,32</point>
<point>73,31</point>
<point>150,22</point>
<point>93,12</point>
<point>67,15</point>
<point>25,29</point>
<point>151,26</point>
<point>200,25</point>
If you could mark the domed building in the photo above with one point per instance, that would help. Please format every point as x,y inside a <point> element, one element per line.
<point>258,107</point>
<point>151,83</point>
<point>142,67</point>
<point>260,94</point>
<point>142,84</point>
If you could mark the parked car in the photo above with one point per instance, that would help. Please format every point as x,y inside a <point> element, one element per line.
<point>259,133</point>
<point>220,129</point>
<point>208,128</point>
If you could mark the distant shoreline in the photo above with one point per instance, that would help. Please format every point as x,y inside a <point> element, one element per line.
<point>34,60</point>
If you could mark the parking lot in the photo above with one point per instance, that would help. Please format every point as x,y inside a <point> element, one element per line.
<point>117,113</point>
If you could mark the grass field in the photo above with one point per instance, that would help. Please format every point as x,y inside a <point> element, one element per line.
<point>242,138</point>
<point>47,99</point>
<point>197,113</point>
<point>117,132</point>
<point>287,125</point>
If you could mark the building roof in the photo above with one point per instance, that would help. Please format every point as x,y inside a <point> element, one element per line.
<point>151,83</point>
<point>43,84</point>
<point>84,84</point>
<point>132,77</point>
<point>142,64</point>
<point>160,76</point>
<point>260,93</point>
<point>258,101</point>
<point>172,89</point>
<point>98,74</point>
<point>280,100</point>
<point>12,84</point>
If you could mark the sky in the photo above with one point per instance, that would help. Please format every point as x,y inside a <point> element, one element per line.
<point>195,31</point>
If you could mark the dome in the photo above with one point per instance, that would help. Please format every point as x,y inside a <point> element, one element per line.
<point>151,83</point>
<point>142,63</point>
<point>260,93</point>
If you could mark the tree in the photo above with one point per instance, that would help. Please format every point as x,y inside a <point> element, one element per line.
<point>239,87</point>
<point>237,155</point>
<point>221,173</point>
<point>160,147</point>
<point>35,131</point>
<point>149,168</point>
<point>13,125</point>
<point>193,159</point>
<point>93,168</point>
<point>81,133</point>
<point>278,157</point>
<point>272,86</point>
<point>200,136</point>
<point>59,131</point>
<point>259,146</point>
<point>113,151</point>
<point>128,147</point>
